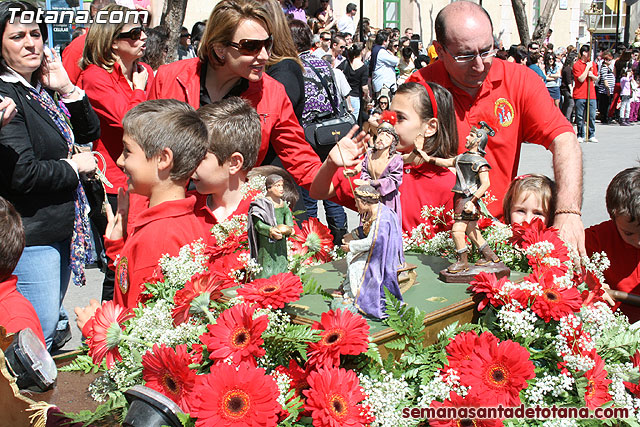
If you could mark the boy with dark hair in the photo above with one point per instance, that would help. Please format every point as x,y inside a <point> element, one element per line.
<point>164,141</point>
<point>16,312</point>
<point>234,142</point>
<point>619,237</point>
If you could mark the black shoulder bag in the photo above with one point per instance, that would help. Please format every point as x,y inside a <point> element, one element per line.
<point>322,133</point>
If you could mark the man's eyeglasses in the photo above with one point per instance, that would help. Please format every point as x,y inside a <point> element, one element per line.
<point>328,39</point>
<point>185,35</point>
<point>490,53</point>
<point>252,47</point>
<point>133,34</point>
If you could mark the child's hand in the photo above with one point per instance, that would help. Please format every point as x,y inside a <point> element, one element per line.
<point>117,224</point>
<point>348,150</point>
<point>83,315</point>
<point>345,248</point>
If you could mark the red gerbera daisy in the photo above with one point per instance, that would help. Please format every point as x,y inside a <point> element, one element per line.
<point>167,370</point>
<point>106,329</point>
<point>297,375</point>
<point>526,235</point>
<point>487,284</point>
<point>274,291</point>
<point>231,265</point>
<point>210,282</point>
<point>632,387</point>
<point>333,398</point>
<point>313,238</point>
<point>464,403</point>
<point>235,397</point>
<point>594,292</point>
<point>497,374</point>
<point>461,347</point>
<point>597,392</point>
<point>556,302</point>
<point>484,222</point>
<point>342,333</point>
<point>236,334</point>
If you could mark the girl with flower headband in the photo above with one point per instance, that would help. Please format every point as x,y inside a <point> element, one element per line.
<point>425,120</point>
<point>382,166</point>
<point>530,196</point>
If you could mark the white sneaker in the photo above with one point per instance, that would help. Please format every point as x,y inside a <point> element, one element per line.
<point>593,139</point>
<point>580,139</point>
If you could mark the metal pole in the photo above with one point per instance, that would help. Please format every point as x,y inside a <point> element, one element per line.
<point>362,40</point>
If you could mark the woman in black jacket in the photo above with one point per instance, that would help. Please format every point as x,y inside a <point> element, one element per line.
<point>39,173</point>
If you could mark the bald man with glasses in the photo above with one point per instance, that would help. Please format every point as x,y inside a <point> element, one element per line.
<point>514,101</point>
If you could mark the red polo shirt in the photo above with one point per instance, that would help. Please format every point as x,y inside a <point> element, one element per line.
<point>580,89</point>
<point>162,229</point>
<point>624,272</point>
<point>111,98</point>
<point>206,217</point>
<point>16,312</point>
<point>71,57</point>
<point>421,185</point>
<point>514,101</point>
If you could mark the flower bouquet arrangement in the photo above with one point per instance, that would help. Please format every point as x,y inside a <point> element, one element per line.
<point>547,340</point>
<point>237,359</point>
<point>231,360</point>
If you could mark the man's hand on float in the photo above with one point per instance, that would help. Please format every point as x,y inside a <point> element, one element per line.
<point>571,231</point>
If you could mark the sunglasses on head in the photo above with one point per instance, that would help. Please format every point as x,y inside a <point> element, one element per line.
<point>133,34</point>
<point>251,46</point>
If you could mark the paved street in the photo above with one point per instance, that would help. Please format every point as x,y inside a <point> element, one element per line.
<point>618,149</point>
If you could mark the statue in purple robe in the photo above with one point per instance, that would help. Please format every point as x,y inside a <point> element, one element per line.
<point>374,254</point>
<point>382,167</point>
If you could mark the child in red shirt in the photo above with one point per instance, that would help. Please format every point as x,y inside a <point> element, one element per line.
<point>164,141</point>
<point>16,312</point>
<point>234,141</point>
<point>619,237</point>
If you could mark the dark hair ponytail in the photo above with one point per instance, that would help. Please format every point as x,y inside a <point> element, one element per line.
<point>354,51</point>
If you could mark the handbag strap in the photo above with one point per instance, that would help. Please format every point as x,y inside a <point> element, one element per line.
<point>332,99</point>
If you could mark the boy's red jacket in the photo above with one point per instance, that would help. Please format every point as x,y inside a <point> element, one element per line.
<point>16,312</point>
<point>159,230</point>
<point>181,80</point>
<point>624,272</point>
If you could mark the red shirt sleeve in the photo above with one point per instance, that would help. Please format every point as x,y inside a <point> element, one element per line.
<point>71,57</point>
<point>113,248</point>
<point>99,86</point>
<point>344,195</point>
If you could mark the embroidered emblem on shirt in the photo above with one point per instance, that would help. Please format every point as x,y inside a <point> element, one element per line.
<point>122,273</point>
<point>504,112</point>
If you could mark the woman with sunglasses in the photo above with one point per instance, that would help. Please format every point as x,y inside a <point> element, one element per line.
<point>115,81</point>
<point>39,174</point>
<point>231,60</point>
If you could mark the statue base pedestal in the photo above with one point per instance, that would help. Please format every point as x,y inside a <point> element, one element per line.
<point>497,268</point>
